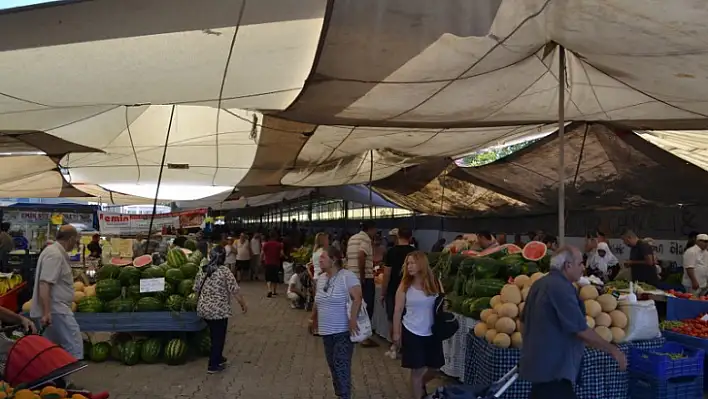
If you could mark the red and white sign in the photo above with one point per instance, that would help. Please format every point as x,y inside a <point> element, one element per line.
<point>127,224</point>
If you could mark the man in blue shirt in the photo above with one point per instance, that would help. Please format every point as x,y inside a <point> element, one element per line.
<point>555,331</point>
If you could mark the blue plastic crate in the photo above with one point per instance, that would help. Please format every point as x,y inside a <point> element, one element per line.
<point>682,309</point>
<point>652,363</point>
<point>643,387</point>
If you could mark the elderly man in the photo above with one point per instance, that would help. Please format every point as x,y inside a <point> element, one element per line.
<point>54,293</point>
<point>555,331</point>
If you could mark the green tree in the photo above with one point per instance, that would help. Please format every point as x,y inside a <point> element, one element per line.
<point>488,156</point>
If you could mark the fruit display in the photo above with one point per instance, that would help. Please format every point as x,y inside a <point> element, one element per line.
<point>117,289</point>
<point>131,349</point>
<point>696,327</point>
<point>302,255</point>
<point>603,315</point>
<point>624,285</point>
<point>48,392</point>
<point>471,281</point>
<point>8,282</point>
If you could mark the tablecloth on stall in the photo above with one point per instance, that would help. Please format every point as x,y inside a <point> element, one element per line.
<point>140,321</point>
<point>599,376</point>
<point>454,348</point>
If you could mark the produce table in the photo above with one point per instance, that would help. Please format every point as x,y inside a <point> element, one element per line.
<point>139,321</point>
<point>455,348</point>
<point>599,376</point>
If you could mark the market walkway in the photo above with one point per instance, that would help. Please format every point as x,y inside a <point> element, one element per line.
<point>272,356</point>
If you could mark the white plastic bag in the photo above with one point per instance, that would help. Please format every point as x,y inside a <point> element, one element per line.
<point>642,320</point>
<point>362,321</point>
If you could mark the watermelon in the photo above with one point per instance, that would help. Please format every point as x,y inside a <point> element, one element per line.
<point>176,352</point>
<point>486,267</point>
<point>151,350</point>
<point>149,304</point>
<point>130,353</point>
<point>484,288</point>
<point>133,292</point>
<point>174,303</point>
<point>117,351</point>
<point>142,261</point>
<point>120,305</point>
<point>459,286</point>
<point>513,265</point>
<point>185,287</point>
<point>190,303</point>
<point>455,303</point>
<point>189,270</point>
<point>544,265</point>
<point>477,306</point>
<point>190,245</point>
<point>467,267</point>
<point>196,257</point>
<point>492,251</point>
<point>108,289</point>
<point>465,307</point>
<point>176,257</point>
<point>90,304</point>
<point>169,290</point>
<point>120,262</point>
<point>529,268</point>
<point>174,276</point>
<point>152,272</point>
<point>108,272</point>
<point>510,249</point>
<point>534,251</point>
<point>100,352</point>
<point>129,275</point>
<point>164,266</point>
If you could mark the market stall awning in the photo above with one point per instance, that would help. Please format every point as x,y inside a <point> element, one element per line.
<point>316,93</point>
<point>605,167</point>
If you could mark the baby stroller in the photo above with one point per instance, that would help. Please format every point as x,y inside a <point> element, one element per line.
<point>33,362</point>
<point>494,391</point>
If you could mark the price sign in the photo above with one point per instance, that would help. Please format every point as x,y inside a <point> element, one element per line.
<point>152,284</point>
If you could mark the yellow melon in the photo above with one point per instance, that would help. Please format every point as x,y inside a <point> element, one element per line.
<point>519,325</point>
<point>604,332</point>
<point>510,293</point>
<point>492,320</point>
<point>619,319</point>
<point>603,319</point>
<point>516,340</point>
<point>505,325</point>
<point>79,286</point>
<point>497,308</point>
<point>535,277</point>
<point>494,301</point>
<point>490,334</point>
<point>522,281</point>
<point>480,330</point>
<point>521,307</point>
<point>90,290</point>
<point>592,308</point>
<point>27,306</point>
<point>502,340</point>
<point>617,334</point>
<point>78,296</point>
<point>588,292</point>
<point>508,310</point>
<point>590,321</point>
<point>607,302</point>
<point>485,314</point>
<point>525,292</point>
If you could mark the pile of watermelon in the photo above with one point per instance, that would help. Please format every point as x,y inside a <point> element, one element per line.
<point>170,348</point>
<point>118,287</point>
<point>471,278</point>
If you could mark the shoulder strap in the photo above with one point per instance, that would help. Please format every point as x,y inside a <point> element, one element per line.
<point>201,286</point>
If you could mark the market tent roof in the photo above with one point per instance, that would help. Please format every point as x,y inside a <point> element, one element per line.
<point>353,91</point>
<point>605,167</point>
<point>691,146</point>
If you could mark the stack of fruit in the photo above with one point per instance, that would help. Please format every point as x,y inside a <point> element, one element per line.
<point>81,291</point>
<point>696,327</point>
<point>48,392</point>
<point>170,348</point>
<point>8,282</point>
<point>601,313</point>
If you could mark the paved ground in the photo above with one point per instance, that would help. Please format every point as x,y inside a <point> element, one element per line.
<point>272,356</point>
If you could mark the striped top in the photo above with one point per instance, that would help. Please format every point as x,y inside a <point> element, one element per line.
<point>332,317</point>
<point>360,242</point>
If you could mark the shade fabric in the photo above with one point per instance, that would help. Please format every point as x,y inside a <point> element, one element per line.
<point>313,93</point>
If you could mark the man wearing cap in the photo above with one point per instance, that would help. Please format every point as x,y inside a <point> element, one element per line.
<point>695,267</point>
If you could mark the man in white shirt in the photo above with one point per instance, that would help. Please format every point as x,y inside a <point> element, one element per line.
<point>295,293</point>
<point>360,261</point>
<point>695,267</point>
<point>256,245</point>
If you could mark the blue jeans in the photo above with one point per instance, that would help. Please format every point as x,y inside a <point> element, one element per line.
<point>217,331</point>
<point>339,350</point>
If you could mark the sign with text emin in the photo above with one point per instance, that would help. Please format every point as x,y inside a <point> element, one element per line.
<point>128,224</point>
<point>152,285</point>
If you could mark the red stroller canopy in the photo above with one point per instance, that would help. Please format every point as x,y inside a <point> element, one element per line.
<point>36,360</point>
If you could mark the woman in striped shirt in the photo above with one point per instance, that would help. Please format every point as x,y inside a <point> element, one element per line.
<point>334,288</point>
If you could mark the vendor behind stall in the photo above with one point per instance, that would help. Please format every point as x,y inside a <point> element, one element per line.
<point>641,259</point>
<point>695,266</point>
<point>94,247</point>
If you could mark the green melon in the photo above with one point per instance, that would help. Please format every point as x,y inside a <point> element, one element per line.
<point>190,245</point>
<point>176,258</point>
<point>133,292</point>
<point>189,270</point>
<point>151,350</point>
<point>185,287</point>
<point>130,353</point>
<point>100,352</point>
<point>149,304</point>
<point>164,294</point>
<point>176,352</point>
<point>108,272</point>
<point>129,275</point>
<point>174,303</point>
<point>120,305</point>
<point>152,272</point>
<point>90,304</point>
<point>190,303</point>
<point>117,351</point>
<point>108,289</point>
<point>174,276</point>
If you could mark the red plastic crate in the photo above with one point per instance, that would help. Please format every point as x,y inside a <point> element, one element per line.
<point>10,299</point>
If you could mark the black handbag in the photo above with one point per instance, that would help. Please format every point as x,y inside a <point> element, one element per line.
<point>445,324</point>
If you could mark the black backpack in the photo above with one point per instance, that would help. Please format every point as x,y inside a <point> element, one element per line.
<point>445,324</point>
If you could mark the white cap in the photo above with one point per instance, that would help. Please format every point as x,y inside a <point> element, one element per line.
<point>702,237</point>
<point>393,232</point>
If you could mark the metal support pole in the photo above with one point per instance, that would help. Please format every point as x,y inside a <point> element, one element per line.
<point>561,140</point>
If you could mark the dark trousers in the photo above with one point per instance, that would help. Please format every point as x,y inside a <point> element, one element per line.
<point>560,389</point>
<point>339,350</point>
<point>368,292</point>
<point>217,330</point>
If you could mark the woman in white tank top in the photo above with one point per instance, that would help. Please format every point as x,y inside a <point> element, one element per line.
<point>421,351</point>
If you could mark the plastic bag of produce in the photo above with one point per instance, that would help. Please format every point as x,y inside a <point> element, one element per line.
<point>642,320</point>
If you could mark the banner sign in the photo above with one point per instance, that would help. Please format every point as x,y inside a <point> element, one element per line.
<point>129,224</point>
<point>20,217</point>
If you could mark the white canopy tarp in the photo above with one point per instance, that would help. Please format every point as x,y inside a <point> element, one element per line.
<point>315,93</point>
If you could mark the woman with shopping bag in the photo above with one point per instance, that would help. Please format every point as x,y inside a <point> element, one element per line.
<point>339,317</point>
